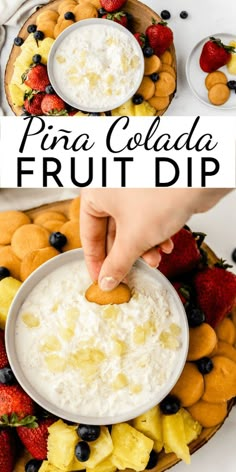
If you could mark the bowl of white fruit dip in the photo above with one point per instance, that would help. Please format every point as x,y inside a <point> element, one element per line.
<point>95,65</point>
<point>89,363</point>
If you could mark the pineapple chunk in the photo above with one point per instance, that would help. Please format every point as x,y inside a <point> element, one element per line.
<point>100,450</point>
<point>8,289</point>
<point>62,440</point>
<point>55,363</point>
<point>104,466</point>
<point>120,381</point>
<point>192,428</point>
<point>47,467</point>
<point>30,320</point>
<point>150,424</point>
<point>127,109</point>
<point>174,436</point>
<point>44,49</point>
<point>131,448</point>
<point>17,96</point>
<point>50,343</point>
<point>231,65</point>
<point>144,109</point>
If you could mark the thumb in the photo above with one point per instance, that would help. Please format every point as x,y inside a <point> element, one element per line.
<point>119,261</point>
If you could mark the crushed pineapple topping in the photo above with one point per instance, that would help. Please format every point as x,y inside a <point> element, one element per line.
<point>98,360</point>
<point>97,65</point>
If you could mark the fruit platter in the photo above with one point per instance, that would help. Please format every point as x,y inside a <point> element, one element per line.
<point>32,439</point>
<point>27,85</point>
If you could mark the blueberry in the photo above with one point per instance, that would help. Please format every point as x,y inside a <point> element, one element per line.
<point>148,51</point>
<point>183,14</point>
<point>137,99</point>
<point>36,58</point>
<point>33,465</point>
<point>57,240</point>
<point>6,376</point>
<point>38,35</point>
<point>170,405</point>
<point>205,365</point>
<point>18,41</point>
<point>49,89</point>
<point>153,459</point>
<point>234,255</point>
<point>88,432</point>
<point>82,451</point>
<point>154,77</point>
<point>4,272</point>
<point>69,15</point>
<point>31,28</point>
<point>102,11</point>
<point>231,84</point>
<point>195,316</point>
<point>165,14</point>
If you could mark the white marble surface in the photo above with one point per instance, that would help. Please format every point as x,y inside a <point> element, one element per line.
<point>205,18</point>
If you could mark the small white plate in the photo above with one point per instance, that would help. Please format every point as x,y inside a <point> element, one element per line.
<point>196,77</point>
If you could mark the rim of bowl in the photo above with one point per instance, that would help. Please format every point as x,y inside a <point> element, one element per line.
<point>14,362</point>
<point>64,34</point>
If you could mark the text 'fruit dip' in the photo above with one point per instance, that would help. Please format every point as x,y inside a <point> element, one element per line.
<point>93,359</point>
<point>96,66</point>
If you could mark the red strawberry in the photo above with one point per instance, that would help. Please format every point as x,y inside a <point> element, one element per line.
<point>3,355</point>
<point>53,105</point>
<point>119,17</point>
<point>35,439</point>
<point>14,400</point>
<point>184,257</point>
<point>214,55</point>
<point>36,77</point>
<point>141,38</point>
<point>33,102</point>
<point>160,36</point>
<point>112,5</point>
<point>215,292</point>
<point>7,450</point>
<point>183,291</point>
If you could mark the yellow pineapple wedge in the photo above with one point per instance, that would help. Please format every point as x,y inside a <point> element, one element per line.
<point>8,289</point>
<point>127,109</point>
<point>100,450</point>
<point>231,65</point>
<point>17,96</point>
<point>104,466</point>
<point>47,467</point>
<point>131,448</point>
<point>192,428</point>
<point>174,436</point>
<point>150,424</point>
<point>144,109</point>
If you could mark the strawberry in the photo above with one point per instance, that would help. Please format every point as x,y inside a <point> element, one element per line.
<point>14,401</point>
<point>214,55</point>
<point>36,77</point>
<point>112,5</point>
<point>160,36</point>
<point>141,38</point>
<point>53,105</point>
<point>35,439</point>
<point>215,289</point>
<point>119,17</point>
<point>183,291</point>
<point>185,256</point>
<point>32,103</point>
<point>3,355</point>
<point>7,450</point>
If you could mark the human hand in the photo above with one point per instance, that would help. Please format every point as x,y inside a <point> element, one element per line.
<point>120,225</point>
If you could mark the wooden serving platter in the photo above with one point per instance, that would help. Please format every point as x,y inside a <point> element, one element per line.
<point>166,461</point>
<point>142,18</point>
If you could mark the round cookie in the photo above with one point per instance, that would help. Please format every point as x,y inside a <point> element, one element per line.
<point>53,225</point>
<point>48,216</point>
<point>167,68</point>
<point>184,390</point>
<point>225,331</point>
<point>165,85</point>
<point>216,77</point>
<point>202,341</point>
<point>151,64</point>
<point>9,260</point>
<point>27,238</point>
<point>62,26</point>
<point>9,222</point>
<point>224,349</point>
<point>220,383</point>
<point>160,103</point>
<point>166,58</point>
<point>218,94</point>
<point>74,208</point>
<point>146,88</point>
<point>66,6</point>
<point>95,3</point>
<point>85,10</point>
<point>34,259</point>
<point>208,414</point>
<point>120,294</point>
<point>72,232</point>
<point>47,27</point>
<point>48,15</point>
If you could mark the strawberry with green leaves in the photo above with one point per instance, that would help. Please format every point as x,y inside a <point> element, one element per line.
<point>7,449</point>
<point>36,77</point>
<point>160,36</point>
<point>141,38</point>
<point>16,406</point>
<point>53,105</point>
<point>112,5</point>
<point>119,17</point>
<point>215,289</point>
<point>35,439</point>
<point>214,55</point>
<point>32,103</point>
